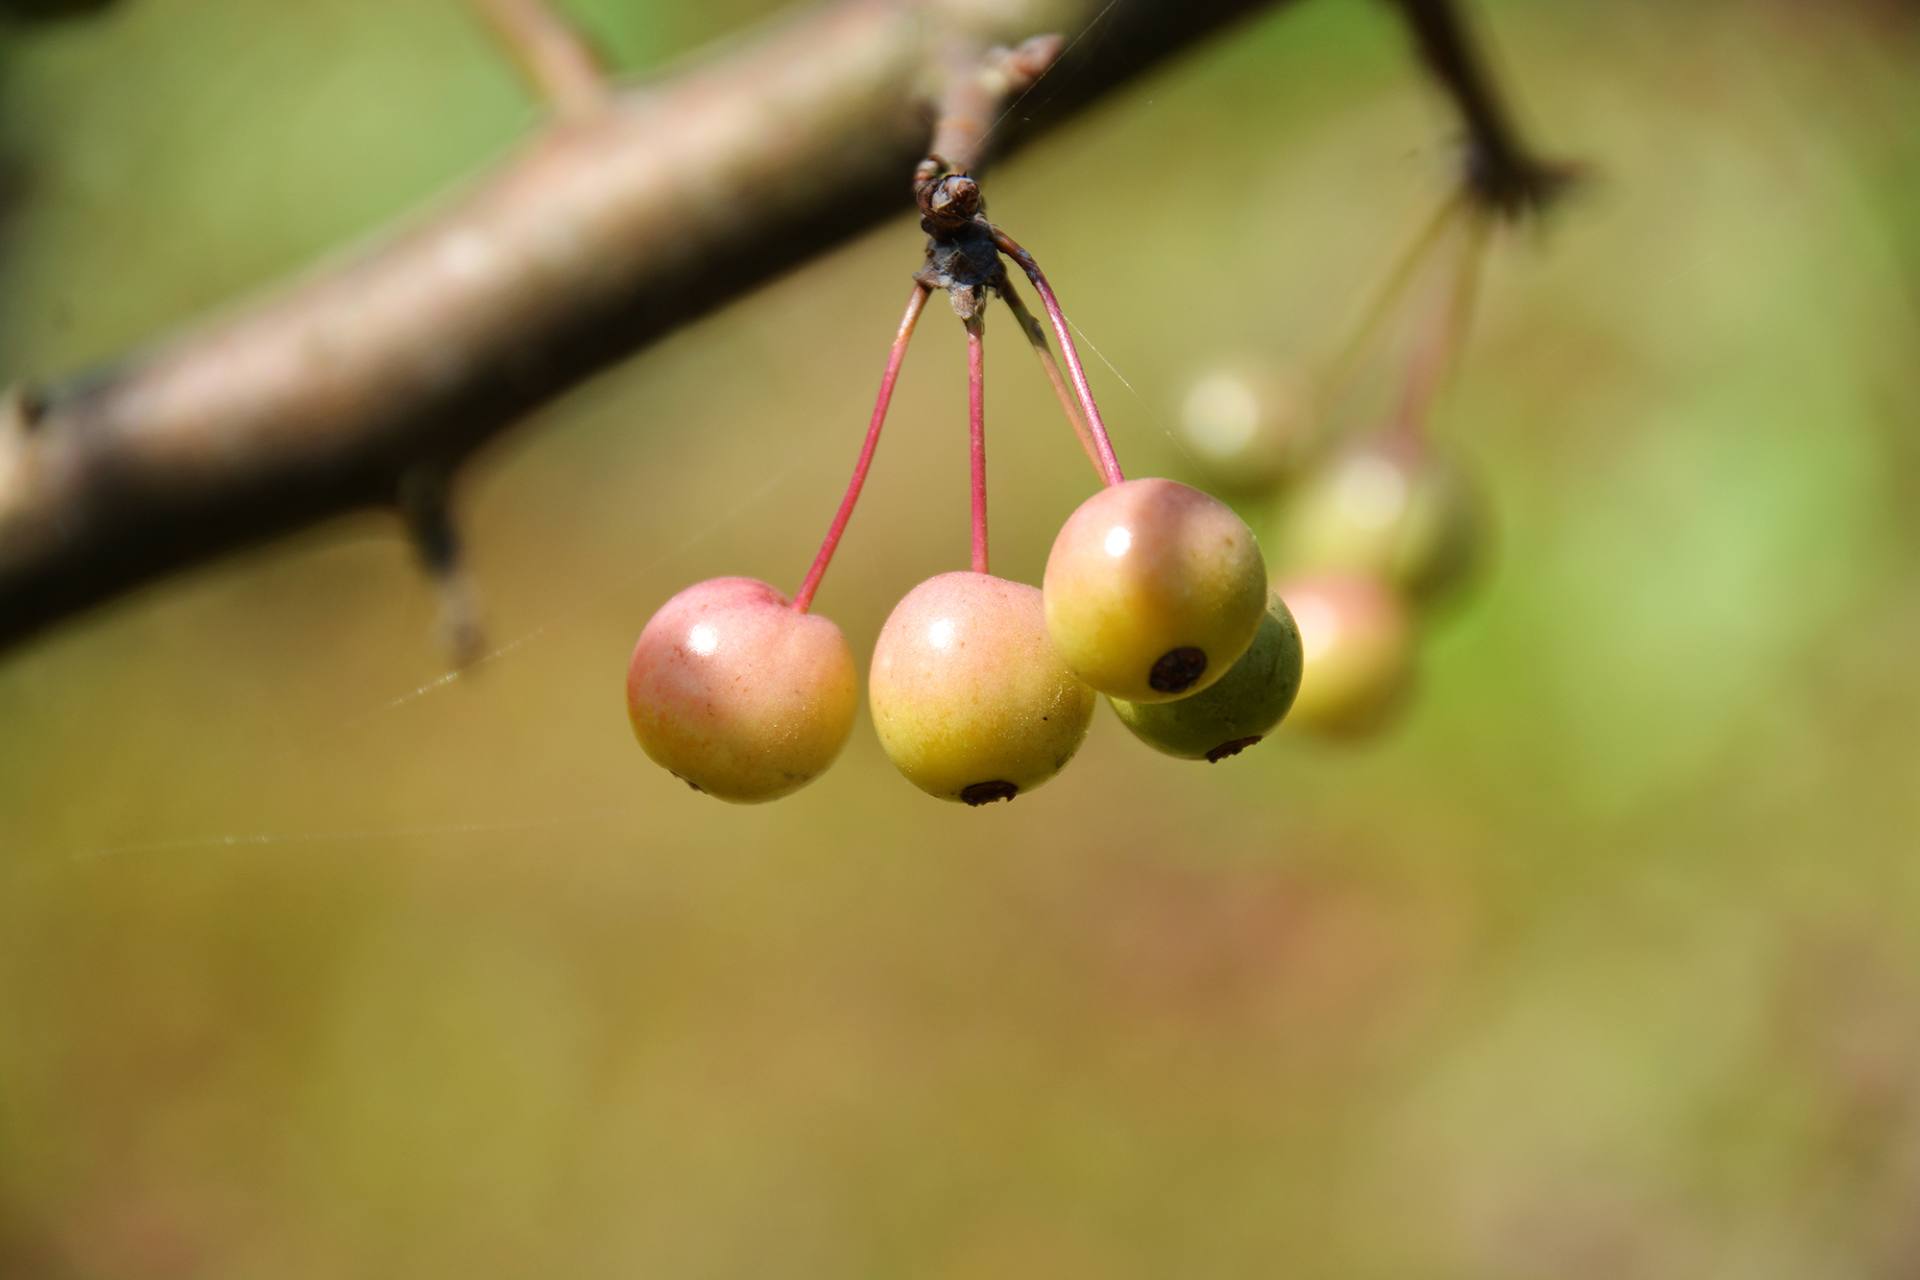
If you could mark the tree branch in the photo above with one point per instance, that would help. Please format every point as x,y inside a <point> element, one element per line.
<point>598,236</point>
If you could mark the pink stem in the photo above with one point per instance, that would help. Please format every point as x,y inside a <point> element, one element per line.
<point>1405,270</point>
<point>977,436</point>
<point>1109,465</point>
<point>1037,337</point>
<point>1446,334</point>
<point>898,353</point>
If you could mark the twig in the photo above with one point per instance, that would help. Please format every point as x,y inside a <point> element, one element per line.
<point>978,88</point>
<point>425,505</point>
<point>1501,171</point>
<point>553,55</point>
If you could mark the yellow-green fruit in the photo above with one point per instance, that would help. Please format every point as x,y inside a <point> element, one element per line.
<point>739,695</point>
<point>1153,590</point>
<point>1357,644</point>
<point>1388,507</point>
<point>968,696</point>
<point>1236,712</point>
<point>1249,427</point>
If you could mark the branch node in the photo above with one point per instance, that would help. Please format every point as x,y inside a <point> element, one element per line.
<point>1517,185</point>
<point>961,256</point>
<point>966,263</point>
<point>1502,173</point>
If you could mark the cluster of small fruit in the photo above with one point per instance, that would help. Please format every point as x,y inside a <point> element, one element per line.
<point>1155,595</point>
<point>981,688</point>
<point>1368,531</point>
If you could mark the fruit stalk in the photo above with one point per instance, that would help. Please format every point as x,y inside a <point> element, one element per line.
<point>1406,265</point>
<point>1037,336</point>
<point>977,436</point>
<point>803,599</point>
<point>1103,444</point>
<point>1446,333</point>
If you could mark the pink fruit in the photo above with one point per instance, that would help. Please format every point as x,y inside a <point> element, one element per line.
<point>737,693</point>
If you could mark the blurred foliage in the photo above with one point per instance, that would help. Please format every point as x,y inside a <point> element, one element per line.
<point>1602,965</point>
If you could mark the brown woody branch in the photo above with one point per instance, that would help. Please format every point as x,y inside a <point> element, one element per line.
<point>624,220</point>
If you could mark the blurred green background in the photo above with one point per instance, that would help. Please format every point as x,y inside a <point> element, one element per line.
<point>1603,963</point>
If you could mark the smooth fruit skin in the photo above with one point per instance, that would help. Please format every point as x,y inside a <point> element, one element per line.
<point>739,695</point>
<point>968,696</point>
<point>1251,427</point>
<point>1391,508</point>
<point>1153,590</point>
<point>1357,645</point>
<point>1236,712</point>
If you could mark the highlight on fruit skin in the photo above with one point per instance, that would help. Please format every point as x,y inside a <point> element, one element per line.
<point>1249,426</point>
<point>1391,507</point>
<point>1357,646</point>
<point>1153,590</point>
<point>738,694</point>
<point>969,699</point>
<point>1236,712</point>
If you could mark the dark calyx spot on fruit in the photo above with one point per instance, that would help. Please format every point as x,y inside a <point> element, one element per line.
<point>1177,669</point>
<point>690,782</point>
<point>979,793</point>
<point>1233,748</point>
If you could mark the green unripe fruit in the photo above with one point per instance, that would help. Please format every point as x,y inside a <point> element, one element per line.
<point>1357,644</point>
<point>969,698</point>
<point>1391,508</point>
<point>739,695</point>
<point>1249,428</point>
<point>1235,712</point>
<point>1153,590</point>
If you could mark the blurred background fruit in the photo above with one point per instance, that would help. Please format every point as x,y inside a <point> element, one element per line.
<point>1251,426</point>
<point>1357,641</point>
<point>1387,505</point>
